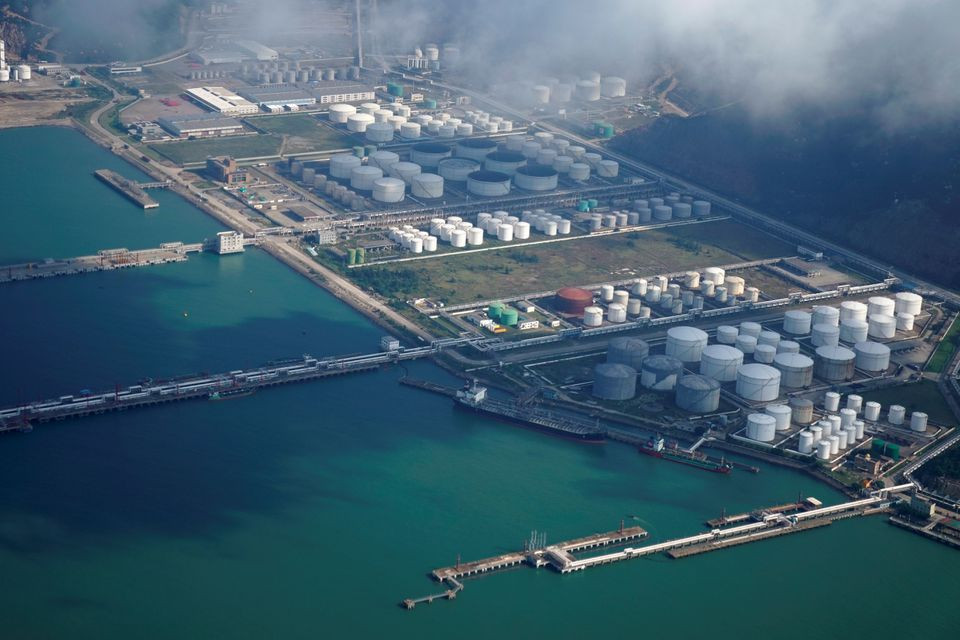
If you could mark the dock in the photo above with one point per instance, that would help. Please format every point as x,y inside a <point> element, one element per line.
<point>772,524</point>
<point>756,514</point>
<point>105,260</point>
<point>133,191</point>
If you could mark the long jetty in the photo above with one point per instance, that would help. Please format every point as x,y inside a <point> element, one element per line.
<point>132,190</point>
<point>150,392</point>
<point>764,524</point>
<point>105,260</point>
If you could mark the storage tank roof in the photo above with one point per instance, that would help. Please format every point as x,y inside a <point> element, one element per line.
<point>506,156</point>
<point>835,353</point>
<point>722,352</point>
<point>541,171</point>
<point>698,382</point>
<point>489,176</point>
<point>870,347</point>
<point>793,360</point>
<point>431,147</point>
<point>688,334</point>
<point>478,143</point>
<point>573,293</point>
<point>614,370</point>
<point>758,371</point>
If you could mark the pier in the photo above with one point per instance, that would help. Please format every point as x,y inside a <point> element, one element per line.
<point>151,392</point>
<point>105,260</point>
<point>133,191</point>
<point>792,518</point>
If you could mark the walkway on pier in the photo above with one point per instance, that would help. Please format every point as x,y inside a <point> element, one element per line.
<point>105,260</point>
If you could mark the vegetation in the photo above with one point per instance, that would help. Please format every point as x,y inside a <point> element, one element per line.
<point>945,350</point>
<point>919,396</point>
<point>240,147</point>
<point>945,466</point>
<point>390,283</point>
<point>81,110</point>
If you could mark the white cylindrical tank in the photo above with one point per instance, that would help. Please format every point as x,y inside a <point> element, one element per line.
<point>781,414</point>
<point>383,159</point>
<point>823,450</point>
<point>751,329</point>
<point>416,245</point>
<point>758,382</point>
<point>488,183</point>
<point>853,331</point>
<point>895,414</point>
<point>521,230</point>
<point>727,334</point>
<point>908,302</point>
<point>388,190</point>
<point>458,238</point>
<point>359,122</point>
<point>505,232</point>
<point>620,296</point>
<point>593,316</point>
<point>761,427</point>
<point>430,243</point>
<point>904,322</point>
<point>606,292</point>
<point>871,411</point>
<point>653,294</point>
<point>616,312</point>
<point>797,323</point>
<point>764,354</point>
<point>608,168</point>
<point>771,338</point>
<point>872,356</point>
<point>882,327</point>
<point>855,402</point>
<point>660,373</point>
<point>847,417</point>
<point>410,131</point>
<point>825,335</point>
<point>634,305</point>
<point>686,343</point>
<point>834,445</point>
<point>841,440</point>
<point>852,310</point>
<point>663,213</point>
<point>796,370</point>
<point>720,362</point>
<point>343,164</point>
<point>826,315</point>
<point>831,401</point>
<point>805,442</point>
<point>817,432</point>
<point>747,344</point>
<point>362,178</point>
<point>340,112</point>
<point>918,421</point>
<point>735,284</point>
<point>880,306</point>
<point>427,185</point>
<point>698,394</point>
<point>788,346</point>
<point>379,132</point>
<point>475,236</point>
<point>834,364</point>
<point>802,410</point>
<point>714,274</point>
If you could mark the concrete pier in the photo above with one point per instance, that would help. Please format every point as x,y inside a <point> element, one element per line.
<point>105,260</point>
<point>128,188</point>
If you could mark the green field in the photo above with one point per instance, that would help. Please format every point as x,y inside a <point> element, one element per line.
<point>946,349</point>
<point>302,133</point>
<point>240,147</point>
<point>920,396</point>
<point>493,274</point>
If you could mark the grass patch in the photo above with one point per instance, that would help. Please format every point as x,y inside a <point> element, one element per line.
<point>945,350</point>
<point>919,396</point>
<point>303,132</point>
<point>735,238</point>
<point>240,147</point>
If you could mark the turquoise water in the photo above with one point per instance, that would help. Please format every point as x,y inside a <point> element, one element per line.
<point>309,511</point>
<point>52,206</point>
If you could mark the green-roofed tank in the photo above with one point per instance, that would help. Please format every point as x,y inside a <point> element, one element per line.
<point>358,151</point>
<point>351,256</point>
<point>430,103</point>
<point>361,255</point>
<point>583,206</point>
<point>593,203</point>
<point>509,317</point>
<point>494,310</point>
<point>395,89</point>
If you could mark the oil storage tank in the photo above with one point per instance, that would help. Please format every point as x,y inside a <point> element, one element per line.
<point>427,185</point>
<point>343,164</point>
<point>697,394</point>
<point>720,362</point>
<point>504,161</point>
<point>826,315</point>
<point>872,356</point>
<point>834,364</point>
<point>660,373</point>
<point>908,302</point>
<point>781,413</point>
<point>488,183</point>
<point>796,370</point>
<point>614,381</point>
<point>429,154</point>
<point>405,171</point>
<point>758,382</point>
<point>825,335</point>
<point>388,190</point>
<point>802,410</point>
<point>362,178</point>
<point>853,331</point>
<point>628,351</point>
<point>475,149</point>
<point>457,169</point>
<point>340,112</point>
<point>686,343</point>
<point>761,427</point>
<point>852,310</point>
<point>573,300</point>
<point>797,323</point>
<point>882,326</point>
<point>536,178</point>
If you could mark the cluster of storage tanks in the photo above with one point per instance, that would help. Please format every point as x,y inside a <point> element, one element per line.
<point>342,193</point>
<point>381,123</point>
<point>17,72</point>
<point>589,88</point>
<point>842,428</point>
<point>290,72</point>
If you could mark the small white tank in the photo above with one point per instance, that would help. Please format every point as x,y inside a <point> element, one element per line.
<point>871,411</point>
<point>593,316</point>
<point>747,344</point>
<point>854,402</point>
<point>781,414</point>
<point>918,421</point>
<point>826,315</point>
<point>805,444</point>
<point>751,329</point>
<point>904,322</point>
<point>727,334</point>
<point>896,414</point>
<point>831,401</point>
<point>475,236</point>
<point>616,312</point>
<point>823,450</point>
<point>761,427</point>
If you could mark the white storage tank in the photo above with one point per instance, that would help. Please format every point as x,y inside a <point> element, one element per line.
<point>823,450</point>
<point>410,131</point>
<point>796,370</point>
<point>771,338</point>
<point>895,414</point>
<point>788,346</point>
<point>727,334</point>
<point>660,373</point>
<point>505,232</point>
<point>340,112</point>
<point>379,132</point>
<point>427,185</point>
<point>871,411</point>
<point>715,275</point>
<point>388,190</point>
<point>343,164</point>
<point>853,331</point>
<point>781,414</point>
<point>458,238</point>
<point>476,149</point>
<point>697,394</point>
<point>616,312</point>
<point>429,154</point>
<point>359,122</point>
<point>405,171</point>
<point>735,284</point>
<point>882,327</point>
<point>831,401</point>
<point>852,310</point>
<point>805,442</point>
<point>383,159</point>
<point>686,343</point>
<point>521,230</point>
<point>825,335</point>
<point>758,382</point>
<point>826,315</point>
<point>764,353</point>
<point>918,421</point>
<point>614,381</point>
<point>662,212</point>
<point>430,243</point>
<point>488,183</point>
<point>751,329</point>
<point>700,208</point>
<point>579,171</point>
<point>880,306</point>
<point>855,402</point>
<point>721,362</point>
<point>904,322</point>
<point>801,410</point>
<point>847,417</point>
<point>872,356</point>
<point>797,323</point>
<point>606,292</point>
<point>613,87</point>
<point>362,178</point>
<point>628,351</point>
<point>747,344</point>
<point>834,364</point>
<point>592,316</point>
<point>608,168</point>
<point>457,169</point>
<point>908,302</point>
<point>536,178</point>
<point>761,427</point>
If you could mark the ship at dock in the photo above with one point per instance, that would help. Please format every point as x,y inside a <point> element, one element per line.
<point>657,448</point>
<point>474,398</point>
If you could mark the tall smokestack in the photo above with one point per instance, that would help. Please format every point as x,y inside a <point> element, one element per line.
<point>359,29</point>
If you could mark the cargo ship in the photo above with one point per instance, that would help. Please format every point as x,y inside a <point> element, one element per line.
<point>229,394</point>
<point>474,398</point>
<point>657,448</point>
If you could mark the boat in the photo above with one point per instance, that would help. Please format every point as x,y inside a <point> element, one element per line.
<point>229,394</point>
<point>657,448</point>
<point>474,398</point>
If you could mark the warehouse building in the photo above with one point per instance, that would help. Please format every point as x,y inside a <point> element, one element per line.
<point>208,125</point>
<point>332,92</point>
<point>256,50</point>
<point>217,56</point>
<point>280,96</point>
<point>222,100</point>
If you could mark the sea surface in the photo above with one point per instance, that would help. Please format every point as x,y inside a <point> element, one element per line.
<point>310,511</point>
